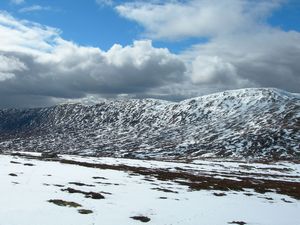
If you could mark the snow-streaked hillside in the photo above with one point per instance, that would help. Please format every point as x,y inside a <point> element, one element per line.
<point>251,123</point>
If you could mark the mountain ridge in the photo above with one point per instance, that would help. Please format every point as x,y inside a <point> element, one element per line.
<point>94,101</point>
<point>244,123</point>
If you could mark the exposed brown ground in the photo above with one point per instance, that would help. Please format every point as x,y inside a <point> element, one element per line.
<point>197,182</point>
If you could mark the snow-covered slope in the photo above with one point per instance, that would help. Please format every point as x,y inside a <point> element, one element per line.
<point>251,123</point>
<point>83,190</point>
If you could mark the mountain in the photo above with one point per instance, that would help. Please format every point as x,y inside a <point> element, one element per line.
<point>247,123</point>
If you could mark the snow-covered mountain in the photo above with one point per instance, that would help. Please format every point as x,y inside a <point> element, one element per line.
<point>251,123</point>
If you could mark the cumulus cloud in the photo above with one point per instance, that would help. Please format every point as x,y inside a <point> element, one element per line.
<point>8,65</point>
<point>38,67</point>
<point>214,70</point>
<point>37,64</point>
<point>265,59</point>
<point>242,49</point>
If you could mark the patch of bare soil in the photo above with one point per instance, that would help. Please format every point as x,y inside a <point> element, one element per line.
<point>81,184</point>
<point>12,175</point>
<point>237,222</point>
<point>106,193</point>
<point>203,182</point>
<point>28,164</point>
<point>93,195</point>
<point>58,185</point>
<point>143,219</point>
<point>15,162</point>
<point>148,179</point>
<point>60,202</point>
<point>85,211</point>
<point>163,198</point>
<point>248,194</point>
<point>107,183</point>
<point>199,181</point>
<point>269,198</point>
<point>286,201</point>
<point>219,194</point>
<point>100,178</point>
<point>165,190</point>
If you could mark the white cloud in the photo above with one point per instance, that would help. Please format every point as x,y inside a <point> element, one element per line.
<point>265,59</point>
<point>242,50</point>
<point>9,65</point>
<point>26,37</point>
<point>105,2</point>
<point>44,65</point>
<point>17,2</point>
<point>34,8</point>
<point>207,70</point>
<point>197,18</point>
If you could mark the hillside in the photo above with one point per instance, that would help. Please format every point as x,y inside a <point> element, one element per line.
<point>246,123</point>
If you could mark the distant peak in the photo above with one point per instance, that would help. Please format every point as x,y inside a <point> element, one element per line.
<point>248,92</point>
<point>237,93</point>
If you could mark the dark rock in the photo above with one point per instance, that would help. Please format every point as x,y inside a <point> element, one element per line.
<point>143,219</point>
<point>13,175</point>
<point>85,211</point>
<point>286,201</point>
<point>81,184</point>
<point>60,202</point>
<point>49,155</point>
<point>237,222</point>
<point>219,194</point>
<point>93,195</point>
<point>28,164</point>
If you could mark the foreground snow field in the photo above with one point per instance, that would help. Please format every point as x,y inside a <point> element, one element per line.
<point>70,191</point>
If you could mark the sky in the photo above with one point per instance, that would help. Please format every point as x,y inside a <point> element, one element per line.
<point>53,51</point>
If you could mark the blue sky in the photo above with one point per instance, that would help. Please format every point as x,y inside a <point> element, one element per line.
<point>82,21</point>
<point>55,50</point>
<point>288,16</point>
<point>88,23</point>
